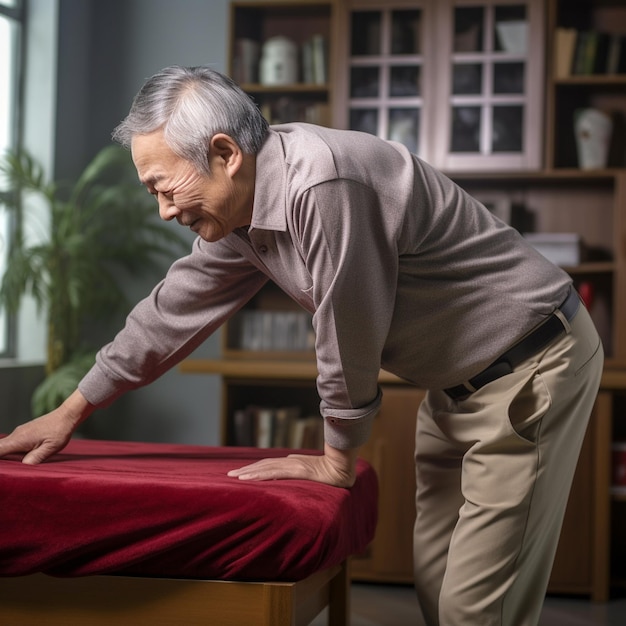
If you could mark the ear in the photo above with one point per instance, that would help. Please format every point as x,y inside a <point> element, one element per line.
<point>225,152</point>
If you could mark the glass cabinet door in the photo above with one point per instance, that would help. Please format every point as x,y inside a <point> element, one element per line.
<point>459,82</point>
<point>385,74</point>
<point>491,85</point>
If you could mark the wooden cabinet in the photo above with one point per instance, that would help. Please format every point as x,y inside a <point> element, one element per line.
<point>617,431</point>
<point>582,564</point>
<point>390,451</point>
<point>304,92</point>
<point>387,74</point>
<point>592,549</point>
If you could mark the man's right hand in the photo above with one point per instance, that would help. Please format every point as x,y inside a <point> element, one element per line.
<point>42,437</point>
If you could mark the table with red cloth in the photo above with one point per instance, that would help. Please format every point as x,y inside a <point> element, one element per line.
<point>171,511</point>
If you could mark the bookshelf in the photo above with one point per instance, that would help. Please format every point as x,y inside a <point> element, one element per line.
<point>581,76</point>
<point>303,31</point>
<point>555,196</point>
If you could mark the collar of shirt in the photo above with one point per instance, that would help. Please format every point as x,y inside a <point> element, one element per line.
<point>269,208</point>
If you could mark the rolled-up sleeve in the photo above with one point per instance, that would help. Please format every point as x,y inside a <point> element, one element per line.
<point>350,428</point>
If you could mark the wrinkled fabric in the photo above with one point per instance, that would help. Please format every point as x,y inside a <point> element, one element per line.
<point>400,268</point>
<point>171,510</point>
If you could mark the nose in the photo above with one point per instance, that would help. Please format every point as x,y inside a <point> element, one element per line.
<point>167,209</point>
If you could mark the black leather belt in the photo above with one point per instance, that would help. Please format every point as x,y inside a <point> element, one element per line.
<point>545,333</point>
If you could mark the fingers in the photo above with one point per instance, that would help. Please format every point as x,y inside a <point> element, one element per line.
<point>243,473</point>
<point>317,468</point>
<point>38,455</point>
<point>273,469</point>
<point>13,445</point>
<point>36,440</point>
<point>33,453</point>
<point>267,469</point>
<point>8,445</point>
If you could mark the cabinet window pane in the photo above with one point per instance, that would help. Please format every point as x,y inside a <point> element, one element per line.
<point>508,78</point>
<point>364,82</point>
<point>510,12</point>
<point>508,122</point>
<point>404,127</point>
<point>366,33</point>
<point>468,29</point>
<point>465,136</point>
<point>467,78</point>
<point>511,29</point>
<point>405,81</point>
<point>365,120</point>
<point>405,33</point>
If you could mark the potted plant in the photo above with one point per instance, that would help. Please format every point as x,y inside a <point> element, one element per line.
<point>102,223</point>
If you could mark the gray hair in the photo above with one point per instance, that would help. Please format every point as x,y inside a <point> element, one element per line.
<point>191,105</point>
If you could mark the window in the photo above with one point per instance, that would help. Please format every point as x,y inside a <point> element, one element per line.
<point>11,28</point>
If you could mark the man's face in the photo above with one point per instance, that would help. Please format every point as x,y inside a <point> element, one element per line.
<point>211,205</point>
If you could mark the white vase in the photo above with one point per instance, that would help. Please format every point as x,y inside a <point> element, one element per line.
<point>279,62</point>
<point>593,135</point>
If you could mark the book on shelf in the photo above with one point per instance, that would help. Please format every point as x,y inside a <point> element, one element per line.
<point>264,427</point>
<point>616,55</point>
<point>279,427</point>
<point>564,45</point>
<point>315,60</point>
<point>307,433</point>
<point>276,330</point>
<point>588,52</point>
<point>287,109</point>
<point>246,61</point>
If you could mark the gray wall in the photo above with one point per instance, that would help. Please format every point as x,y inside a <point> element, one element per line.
<point>106,50</point>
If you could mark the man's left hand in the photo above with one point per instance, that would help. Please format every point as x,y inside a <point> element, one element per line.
<point>335,467</point>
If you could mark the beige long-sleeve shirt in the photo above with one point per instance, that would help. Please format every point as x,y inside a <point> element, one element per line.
<point>399,266</point>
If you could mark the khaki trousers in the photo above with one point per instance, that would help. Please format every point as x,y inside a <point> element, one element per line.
<point>493,477</point>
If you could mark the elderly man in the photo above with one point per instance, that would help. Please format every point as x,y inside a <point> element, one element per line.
<point>401,270</point>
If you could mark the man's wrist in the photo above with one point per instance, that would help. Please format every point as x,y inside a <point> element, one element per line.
<point>76,409</point>
<point>346,459</point>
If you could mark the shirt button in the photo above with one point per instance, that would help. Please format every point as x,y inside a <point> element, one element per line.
<point>263,249</point>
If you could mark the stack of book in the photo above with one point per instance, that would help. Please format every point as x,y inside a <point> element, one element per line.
<point>314,61</point>
<point>282,427</point>
<point>287,331</point>
<point>586,52</point>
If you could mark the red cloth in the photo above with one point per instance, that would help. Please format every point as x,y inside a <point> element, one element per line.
<point>170,510</point>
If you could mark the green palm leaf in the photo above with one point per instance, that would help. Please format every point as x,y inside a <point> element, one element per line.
<point>100,225</point>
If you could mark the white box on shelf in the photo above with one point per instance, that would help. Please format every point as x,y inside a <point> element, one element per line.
<point>562,249</point>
